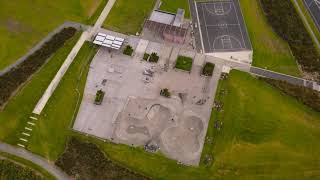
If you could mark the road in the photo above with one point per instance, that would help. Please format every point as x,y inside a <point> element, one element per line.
<point>307,25</point>
<point>45,164</point>
<point>86,35</point>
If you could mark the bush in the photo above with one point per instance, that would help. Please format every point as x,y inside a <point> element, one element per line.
<point>83,160</point>
<point>10,81</point>
<point>128,50</point>
<point>184,63</point>
<point>165,92</point>
<point>284,19</point>
<point>208,69</point>
<point>154,57</point>
<point>10,170</point>
<point>305,95</point>
<point>99,97</point>
<point>146,56</point>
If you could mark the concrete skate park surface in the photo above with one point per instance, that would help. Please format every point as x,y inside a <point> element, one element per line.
<point>134,113</point>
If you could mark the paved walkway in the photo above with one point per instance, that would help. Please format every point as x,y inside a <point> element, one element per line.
<point>45,164</point>
<point>307,25</point>
<point>86,35</point>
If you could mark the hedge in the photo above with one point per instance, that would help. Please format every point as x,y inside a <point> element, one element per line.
<point>286,22</point>
<point>10,170</point>
<point>82,160</point>
<point>305,95</point>
<point>208,69</point>
<point>10,81</point>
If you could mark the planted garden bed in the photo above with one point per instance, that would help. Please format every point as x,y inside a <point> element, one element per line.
<point>184,63</point>
<point>208,69</point>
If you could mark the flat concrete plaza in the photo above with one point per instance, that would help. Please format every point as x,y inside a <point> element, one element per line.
<point>222,26</point>
<point>134,113</point>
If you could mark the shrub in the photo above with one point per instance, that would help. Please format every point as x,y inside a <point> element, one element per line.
<point>128,50</point>
<point>10,170</point>
<point>10,81</point>
<point>305,95</point>
<point>184,63</point>
<point>154,57</point>
<point>165,92</point>
<point>146,56</point>
<point>208,69</point>
<point>82,160</point>
<point>99,97</point>
<point>287,23</point>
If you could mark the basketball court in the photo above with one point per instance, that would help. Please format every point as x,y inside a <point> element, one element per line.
<point>222,26</point>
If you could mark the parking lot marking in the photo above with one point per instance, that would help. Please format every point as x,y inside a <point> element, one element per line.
<point>29,129</point>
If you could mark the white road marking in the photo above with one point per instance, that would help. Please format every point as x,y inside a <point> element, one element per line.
<point>21,145</point>
<point>23,140</point>
<point>33,118</point>
<point>26,134</point>
<point>29,129</point>
<point>32,124</point>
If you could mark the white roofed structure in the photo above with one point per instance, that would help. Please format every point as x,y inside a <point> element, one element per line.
<point>108,41</point>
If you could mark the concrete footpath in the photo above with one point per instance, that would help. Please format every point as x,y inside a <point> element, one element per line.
<point>45,164</point>
<point>86,35</point>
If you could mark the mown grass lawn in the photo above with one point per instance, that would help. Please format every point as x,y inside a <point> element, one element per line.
<point>24,23</point>
<point>173,5</point>
<point>16,113</point>
<point>128,16</point>
<point>184,63</point>
<point>54,122</point>
<point>265,135</point>
<point>269,50</point>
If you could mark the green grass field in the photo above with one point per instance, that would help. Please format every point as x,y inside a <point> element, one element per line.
<point>269,50</point>
<point>54,122</point>
<point>173,5</point>
<point>128,16</point>
<point>19,32</point>
<point>15,115</point>
<point>273,143</point>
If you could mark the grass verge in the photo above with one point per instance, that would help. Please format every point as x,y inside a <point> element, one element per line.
<point>269,50</point>
<point>128,16</point>
<point>93,18</point>
<point>52,127</point>
<point>15,115</point>
<point>22,23</point>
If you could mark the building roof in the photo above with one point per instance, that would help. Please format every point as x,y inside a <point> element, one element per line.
<point>162,17</point>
